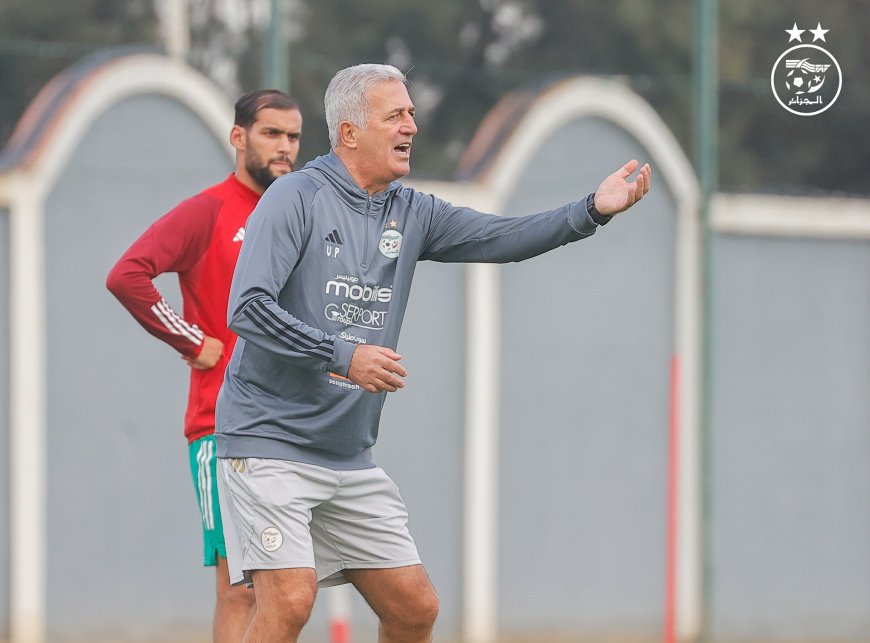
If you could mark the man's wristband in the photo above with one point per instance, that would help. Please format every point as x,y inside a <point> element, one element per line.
<point>597,217</point>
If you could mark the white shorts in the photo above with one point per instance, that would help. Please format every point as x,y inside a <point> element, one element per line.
<point>282,515</point>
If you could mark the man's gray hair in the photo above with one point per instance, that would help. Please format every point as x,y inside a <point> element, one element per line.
<point>345,98</point>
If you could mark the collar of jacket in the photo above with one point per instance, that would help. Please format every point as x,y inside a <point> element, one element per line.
<point>332,170</point>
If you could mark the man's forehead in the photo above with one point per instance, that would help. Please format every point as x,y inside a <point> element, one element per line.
<point>281,118</point>
<point>390,95</point>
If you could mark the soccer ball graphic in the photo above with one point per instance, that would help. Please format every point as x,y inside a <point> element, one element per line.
<point>804,77</point>
<point>798,81</point>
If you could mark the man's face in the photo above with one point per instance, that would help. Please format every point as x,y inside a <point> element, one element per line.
<point>385,143</point>
<point>270,146</point>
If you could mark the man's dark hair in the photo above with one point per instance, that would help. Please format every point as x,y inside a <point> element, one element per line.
<point>249,104</point>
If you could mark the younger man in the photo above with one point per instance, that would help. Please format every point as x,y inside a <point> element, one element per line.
<point>200,239</point>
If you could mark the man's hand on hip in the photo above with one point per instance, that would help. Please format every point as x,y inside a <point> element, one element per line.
<point>212,350</point>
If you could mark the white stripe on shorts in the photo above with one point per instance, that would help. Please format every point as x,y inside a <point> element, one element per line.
<point>203,459</point>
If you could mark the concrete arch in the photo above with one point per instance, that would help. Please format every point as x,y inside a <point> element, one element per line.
<point>510,135</point>
<point>43,144</point>
<point>59,116</point>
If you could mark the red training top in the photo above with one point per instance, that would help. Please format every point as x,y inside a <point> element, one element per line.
<point>199,239</point>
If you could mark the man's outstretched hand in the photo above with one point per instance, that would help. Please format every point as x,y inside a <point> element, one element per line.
<point>616,194</point>
<point>376,368</point>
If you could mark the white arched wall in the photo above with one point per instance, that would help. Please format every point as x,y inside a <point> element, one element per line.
<point>488,191</point>
<point>24,187</point>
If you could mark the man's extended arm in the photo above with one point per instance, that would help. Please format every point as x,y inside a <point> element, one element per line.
<point>462,234</point>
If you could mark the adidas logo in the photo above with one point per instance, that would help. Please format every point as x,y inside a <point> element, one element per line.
<point>240,235</point>
<point>333,241</point>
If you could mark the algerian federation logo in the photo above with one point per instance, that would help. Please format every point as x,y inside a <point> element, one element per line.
<point>271,538</point>
<point>390,243</point>
<point>806,79</point>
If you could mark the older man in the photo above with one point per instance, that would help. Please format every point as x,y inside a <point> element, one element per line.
<point>317,300</point>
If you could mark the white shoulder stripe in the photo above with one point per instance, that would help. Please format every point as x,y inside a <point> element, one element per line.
<point>175,324</point>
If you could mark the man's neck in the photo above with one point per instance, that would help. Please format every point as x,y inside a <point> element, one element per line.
<point>356,172</point>
<point>245,179</point>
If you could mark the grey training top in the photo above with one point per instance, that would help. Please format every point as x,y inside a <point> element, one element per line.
<point>324,267</point>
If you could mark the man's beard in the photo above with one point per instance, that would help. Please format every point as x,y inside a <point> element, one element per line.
<point>261,173</point>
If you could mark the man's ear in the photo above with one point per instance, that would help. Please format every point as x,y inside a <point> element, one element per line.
<point>347,134</point>
<point>238,137</point>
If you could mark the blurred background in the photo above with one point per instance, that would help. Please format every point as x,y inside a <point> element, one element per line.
<point>464,56</point>
<point>662,434</point>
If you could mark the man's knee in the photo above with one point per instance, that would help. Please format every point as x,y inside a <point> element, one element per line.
<point>232,597</point>
<point>285,598</point>
<point>294,605</point>
<point>237,597</point>
<point>427,609</point>
<point>418,614</point>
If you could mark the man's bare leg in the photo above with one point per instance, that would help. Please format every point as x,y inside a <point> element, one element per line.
<point>234,607</point>
<point>284,601</point>
<point>403,599</point>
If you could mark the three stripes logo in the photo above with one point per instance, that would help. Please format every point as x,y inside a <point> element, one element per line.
<point>333,243</point>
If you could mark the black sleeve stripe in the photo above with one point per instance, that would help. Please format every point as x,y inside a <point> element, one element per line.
<point>269,332</point>
<point>283,341</point>
<point>293,334</point>
<point>323,348</point>
<point>323,351</point>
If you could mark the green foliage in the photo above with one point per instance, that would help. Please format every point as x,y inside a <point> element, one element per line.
<point>763,148</point>
<point>465,55</point>
<point>41,38</point>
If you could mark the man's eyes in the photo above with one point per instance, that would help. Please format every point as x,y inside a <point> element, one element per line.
<point>272,133</point>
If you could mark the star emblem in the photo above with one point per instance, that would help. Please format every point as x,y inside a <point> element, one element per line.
<point>795,33</point>
<point>393,224</point>
<point>819,33</point>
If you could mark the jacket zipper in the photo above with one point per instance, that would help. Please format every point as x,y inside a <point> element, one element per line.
<point>365,253</point>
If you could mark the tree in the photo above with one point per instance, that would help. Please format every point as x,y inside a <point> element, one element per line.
<point>41,38</point>
<point>462,56</point>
